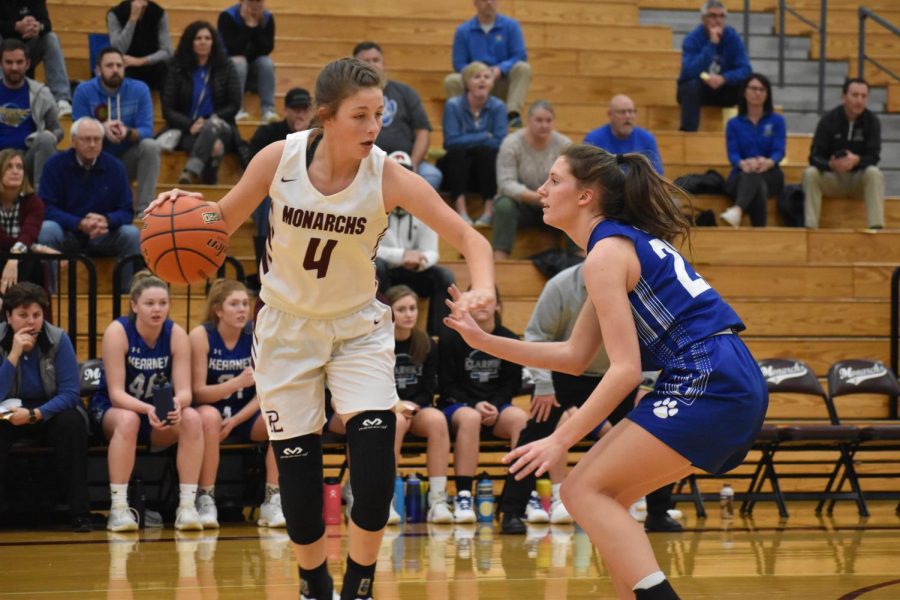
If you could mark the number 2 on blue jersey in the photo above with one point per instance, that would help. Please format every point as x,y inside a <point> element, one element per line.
<point>694,287</point>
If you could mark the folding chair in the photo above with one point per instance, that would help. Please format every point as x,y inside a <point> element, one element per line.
<point>853,377</point>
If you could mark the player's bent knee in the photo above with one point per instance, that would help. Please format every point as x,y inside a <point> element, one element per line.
<point>299,462</point>
<point>370,438</point>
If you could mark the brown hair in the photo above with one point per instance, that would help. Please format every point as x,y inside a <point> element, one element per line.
<point>218,293</point>
<point>342,78</point>
<point>25,293</point>
<point>6,157</point>
<point>143,280</point>
<point>419,342</point>
<point>632,191</point>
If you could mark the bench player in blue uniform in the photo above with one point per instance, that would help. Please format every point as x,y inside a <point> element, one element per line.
<point>651,311</point>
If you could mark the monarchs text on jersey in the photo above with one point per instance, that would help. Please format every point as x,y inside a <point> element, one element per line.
<point>319,259</point>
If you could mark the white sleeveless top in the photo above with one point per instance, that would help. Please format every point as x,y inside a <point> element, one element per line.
<point>320,250</point>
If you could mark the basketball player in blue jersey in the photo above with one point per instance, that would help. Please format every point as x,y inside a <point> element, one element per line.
<point>331,191</point>
<point>225,395</point>
<point>137,351</point>
<point>651,311</point>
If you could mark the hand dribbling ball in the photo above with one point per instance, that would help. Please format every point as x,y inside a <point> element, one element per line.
<point>184,241</point>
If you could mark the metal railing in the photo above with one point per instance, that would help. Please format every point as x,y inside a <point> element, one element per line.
<point>821,29</point>
<point>865,14</point>
<point>747,26</point>
<point>895,332</point>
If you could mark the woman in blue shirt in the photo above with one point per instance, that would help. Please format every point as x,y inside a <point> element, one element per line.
<point>474,125</point>
<point>756,143</point>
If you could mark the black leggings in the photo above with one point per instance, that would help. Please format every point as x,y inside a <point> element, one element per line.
<point>470,170</point>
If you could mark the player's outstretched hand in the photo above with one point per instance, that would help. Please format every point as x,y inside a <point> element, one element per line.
<point>535,457</point>
<point>167,196</point>
<point>471,300</point>
<point>461,321</point>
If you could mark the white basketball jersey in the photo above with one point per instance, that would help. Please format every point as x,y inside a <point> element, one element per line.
<point>320,250</point>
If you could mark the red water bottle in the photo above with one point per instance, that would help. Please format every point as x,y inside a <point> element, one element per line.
<point>331,507</point>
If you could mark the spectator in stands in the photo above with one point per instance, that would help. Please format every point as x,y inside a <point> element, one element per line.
<point>622,135</point>
<point>139,29</point>
<point>248,31</point>
<point>28,114</point>
<point>141,351</point>
<point>845,151</point>
<point>39,368</point>
<point>756,141</point>
<point>125,108</point>
<point>474,126</point>
<point>28,21</point>
<point>477,390</point>
<point>408,254</point>
<point>87,199</point>
<point>714,63</point>
<point>21,215</point>
<point>523,163</point>
<point>404,125</point>
<point>201,97</point>
<point>497,41</point>
<point>225,395</point>
<point>298,115</point>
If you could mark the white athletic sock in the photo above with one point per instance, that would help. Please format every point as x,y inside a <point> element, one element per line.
<point>649,581</point>
<point>437,486</point>
<point>554,490</point>
<point>118,493</point>
<point>188,494</point>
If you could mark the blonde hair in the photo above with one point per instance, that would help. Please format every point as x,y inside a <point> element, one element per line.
<point>218,293</point>
<point>6,157</point>
<point>144,280</point>
<point>472,69</point>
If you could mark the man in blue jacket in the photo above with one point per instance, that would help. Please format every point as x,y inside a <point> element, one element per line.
<point>87,199</point>
<point>714,63</point>
<point>622,135</point>
<point>125,108</point>
<point>497,41</point>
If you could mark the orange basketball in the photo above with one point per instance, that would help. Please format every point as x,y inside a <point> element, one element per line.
<point>184,241</point>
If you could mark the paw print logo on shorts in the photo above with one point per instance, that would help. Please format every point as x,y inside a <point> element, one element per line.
<point>665,408</point>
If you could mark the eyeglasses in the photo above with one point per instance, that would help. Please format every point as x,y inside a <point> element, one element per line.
<point>756,88</point>
<point>625,111</point>
<point>716,16</point>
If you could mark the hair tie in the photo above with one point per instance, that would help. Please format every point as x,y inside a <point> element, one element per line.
<point>620,159</point>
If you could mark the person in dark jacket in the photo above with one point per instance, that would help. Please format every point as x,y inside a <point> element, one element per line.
<point>477,390</point>
<point>844,156</point>
<point>39,369</point>
<point>714,63</point>
<point>21,215</point>
<point>201,96</point>
<point>248,30</point>
<point>139,29</point>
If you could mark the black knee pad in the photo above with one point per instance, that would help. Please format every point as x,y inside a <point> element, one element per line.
<point>370,438</point>
<point>299,462</point>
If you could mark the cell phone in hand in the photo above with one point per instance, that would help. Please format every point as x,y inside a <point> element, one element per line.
<point>163,398</point>
<point>840,153</point>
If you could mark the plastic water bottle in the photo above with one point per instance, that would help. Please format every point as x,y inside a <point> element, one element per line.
<point>726,502</point>
<point>331,506</point>
<point>400,496</point>
<point>484,499</point>
<point>163,398</point>
<point>413,499</point>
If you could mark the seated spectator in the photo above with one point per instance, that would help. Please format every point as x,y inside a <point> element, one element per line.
<point>408,255</point>
<point>140,351</point>
<point>39,368</point>
<point>28,117</point>
<point>298,115</point>
<point>523,164</point>
<point>477,390</point>
<point>756,140</point>
<point>404,126</point>
<point>497,41</point>
<point>714,63</point>
<point>28,21</point>
<point>845,151</point>
<point>125,108</point>
<point>474,126</point>
<point>248,31</point>
<point>622,135</point>
<point>87,199</point>
<point>139,29</point>
<point>21,215</point>
<point>225,395</point>
<point>201,96</point>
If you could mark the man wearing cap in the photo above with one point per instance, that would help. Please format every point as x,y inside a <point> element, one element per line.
<point>404,126</point>
<point>298,115</point>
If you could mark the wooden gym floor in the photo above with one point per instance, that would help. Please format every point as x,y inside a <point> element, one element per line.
<point>836,558</point>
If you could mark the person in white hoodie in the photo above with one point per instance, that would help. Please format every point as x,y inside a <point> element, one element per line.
<point>408,255</point>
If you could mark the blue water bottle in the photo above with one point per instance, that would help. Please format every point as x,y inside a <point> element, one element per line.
<point>399,496</point>
<point>413,499</point>
<point>484,499</point>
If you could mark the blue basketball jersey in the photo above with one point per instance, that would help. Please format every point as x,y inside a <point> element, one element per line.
<point>143,364</point>
<point>673,306</point>
<point>223,364</point>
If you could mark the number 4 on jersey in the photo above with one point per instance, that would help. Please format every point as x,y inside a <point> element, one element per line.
<point>694,287</point>
<point>319,265</point>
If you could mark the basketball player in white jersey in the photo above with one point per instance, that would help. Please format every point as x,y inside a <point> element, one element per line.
<point>331,191</point>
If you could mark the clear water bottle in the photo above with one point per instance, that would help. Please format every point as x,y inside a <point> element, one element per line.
<point>726,502</point>
<point>484,499</point>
